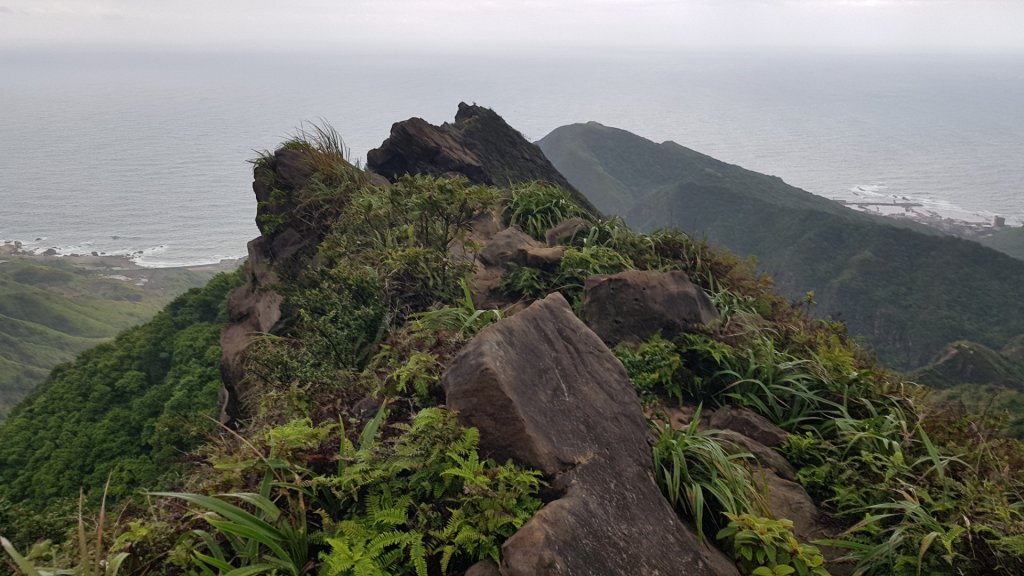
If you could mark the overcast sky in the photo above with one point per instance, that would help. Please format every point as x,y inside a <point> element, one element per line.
<point>520,25</point>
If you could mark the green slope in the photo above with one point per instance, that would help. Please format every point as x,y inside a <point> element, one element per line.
<point>904,290</point>
<point>1007,240</point>
<point>52,309</point>
<point>125,409</point>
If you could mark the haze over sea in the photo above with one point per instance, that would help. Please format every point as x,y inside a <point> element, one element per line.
<point>124,153</point>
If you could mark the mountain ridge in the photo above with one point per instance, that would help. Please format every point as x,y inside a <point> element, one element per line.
<point>905,289</point>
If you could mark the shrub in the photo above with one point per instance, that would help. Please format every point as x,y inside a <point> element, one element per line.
<point>766,547</point>
<point>536,207</point>
<point>700,478</point>
<point>652,366</point>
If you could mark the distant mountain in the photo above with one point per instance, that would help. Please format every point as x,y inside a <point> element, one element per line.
<point>904,289</point>
<point>52,309</point>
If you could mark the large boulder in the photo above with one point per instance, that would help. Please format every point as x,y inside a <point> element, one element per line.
<point>634,305</point>
<point>545,391</point>
<point>479,145</point>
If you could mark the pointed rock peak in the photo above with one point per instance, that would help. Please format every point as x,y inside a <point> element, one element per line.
<point>479,145</point>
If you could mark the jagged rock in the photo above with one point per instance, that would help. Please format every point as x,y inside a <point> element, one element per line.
<point>479,145</point>
<point>564,231</point>
<point>252,309</point>
<point>546,392</point>
<point>634,305</point>
<point>287,170</point>
<point>749,424</point>
<point>255,307</point>
<point>418,147</point>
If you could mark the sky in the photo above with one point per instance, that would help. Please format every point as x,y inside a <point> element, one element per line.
<point>515,25</point>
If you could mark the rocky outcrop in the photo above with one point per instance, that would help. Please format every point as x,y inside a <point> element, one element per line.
<point>545,391</point>
<point>634,305</point>
<point>479,145</point>
<point>253,308</point>
<point>282,249</point>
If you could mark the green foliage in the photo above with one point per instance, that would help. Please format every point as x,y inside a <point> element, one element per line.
<point>403,232</point>
<point>578,264</point>
<point>701,479</point>
<point>536,207</point>
<point>126,410</point>
<point>425,498</point>
<point>91,558</point>
<point>1009,240</point>
<point>652,366</point>
<point>767,547</point>
<point>464,320</point>
<point>526,282</point>
<point>403,498</point>
<point>266,540</point>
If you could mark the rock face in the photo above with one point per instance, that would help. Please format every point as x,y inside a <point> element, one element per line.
<point>545,391</point>
<point>634,305</point>
<point>479,145</point>
<point>255,307</point>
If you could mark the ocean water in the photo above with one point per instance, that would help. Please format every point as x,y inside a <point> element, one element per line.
<point>146,154</point>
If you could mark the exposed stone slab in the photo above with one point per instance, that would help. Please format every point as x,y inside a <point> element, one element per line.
<point>545,391</point>
<point>634,305</point>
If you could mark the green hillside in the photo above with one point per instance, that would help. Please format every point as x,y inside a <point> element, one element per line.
<point>52,309</point>
<point>1007,240</point>
<point>904,290</point>
<point>125,408</point>
<point>616,389</point>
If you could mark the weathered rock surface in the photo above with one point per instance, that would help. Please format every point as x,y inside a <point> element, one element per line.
<point>508,246</point>
<point>544,390</point>
<point>634,305</point>
<point>787,499</point>
<point>479,145</point>
<point>564,231</point>
<point>255,307</point>
<point>764,455</point>
<point>251,310</point>
<point>483,568</point>
<point>748,423</point>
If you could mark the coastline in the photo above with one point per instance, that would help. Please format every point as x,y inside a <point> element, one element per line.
<point>115,266</point>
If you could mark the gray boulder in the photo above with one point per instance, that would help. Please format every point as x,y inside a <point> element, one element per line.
<point>545,391</point>
<point>748,423</point>
<point>634,305</point>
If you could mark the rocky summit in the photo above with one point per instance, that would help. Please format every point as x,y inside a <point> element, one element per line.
<point>450,364</point>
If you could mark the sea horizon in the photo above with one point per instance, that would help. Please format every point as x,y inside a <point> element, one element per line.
<point>145,155</point>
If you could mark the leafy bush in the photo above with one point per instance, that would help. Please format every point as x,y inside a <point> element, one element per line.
<point>700,478</point>
<point>767,547</point>
<point>652,366</point>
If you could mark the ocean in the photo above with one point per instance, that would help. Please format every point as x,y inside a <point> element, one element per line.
<point>146,154</point>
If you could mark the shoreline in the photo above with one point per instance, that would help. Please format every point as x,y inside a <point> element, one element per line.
<point>116,266</point>
<point>112,262</point>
